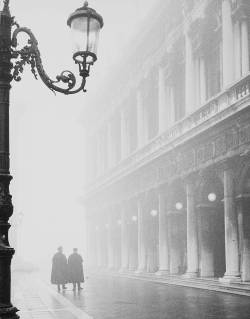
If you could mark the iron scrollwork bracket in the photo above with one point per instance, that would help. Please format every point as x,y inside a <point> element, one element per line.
<point>30,55</point>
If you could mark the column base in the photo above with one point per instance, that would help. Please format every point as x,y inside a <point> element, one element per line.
<point>228,279</point>
<point>162,272</point>
<point>190,274</point>
<point>123,270</point>
<point>9,313</point>
<point>207,275</point>
<point>140,271</point>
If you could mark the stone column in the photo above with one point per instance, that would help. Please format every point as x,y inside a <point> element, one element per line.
<point>141,237</point>
<point>192,232</point>
<point>103,241</point>
<point>163,235</point>
<point>246,259</point>
<point>171,116</point>
<point>110,240</point>
<point>163,117</point>
<point>140,121</point>
<point>92,248</point>
<point>245,46</point>
<point>244,236</point>
<point>99,255</point>
<point>227,42</point>
<point>206,241</point>
<point>133,248</point>
<point>231,230</point>
<point>98,247</point>
<point>202,80</point>
<point>124,134</point>
<point>110,145</point>
<point>99,157</point>
<point>189,75</point>
<point>124,240</point>
<point>90,245</point>
<point>174,243</point>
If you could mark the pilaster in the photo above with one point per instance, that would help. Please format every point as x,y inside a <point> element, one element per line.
<point>141,236</point>
<point>192,231</point>
<point>124,239</point>
<point>163,233</point>
<point>124,133</point>
<point>163,118</point>
<point>140,120</point>
<point>189,75</point>
<point>227,42</point>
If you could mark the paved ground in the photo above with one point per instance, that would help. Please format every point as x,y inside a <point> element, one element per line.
<point>120,298</point>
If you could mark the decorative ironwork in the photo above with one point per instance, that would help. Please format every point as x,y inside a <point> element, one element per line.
<point>30,54</point>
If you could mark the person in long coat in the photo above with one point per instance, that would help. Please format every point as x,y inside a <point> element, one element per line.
<point>75,269</point>
<point>59,269</point>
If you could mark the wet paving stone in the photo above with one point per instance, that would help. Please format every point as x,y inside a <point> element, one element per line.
<point>107,297</point>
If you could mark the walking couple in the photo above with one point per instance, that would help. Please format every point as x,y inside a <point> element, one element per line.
<point>67,271</point>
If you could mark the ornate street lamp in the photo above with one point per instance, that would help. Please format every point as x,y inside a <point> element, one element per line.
<point>85,24</point>
<point>153,212</point>
<point>179,206</point>
<point>134,218</point>
<point>212,197</point>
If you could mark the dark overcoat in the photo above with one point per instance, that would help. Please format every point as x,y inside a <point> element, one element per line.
<point>75,268</point>
<point>59,269</point>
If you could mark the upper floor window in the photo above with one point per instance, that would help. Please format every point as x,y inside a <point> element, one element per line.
<point>132,114</point>
<point>179,91</point>
<point>213,69</point>
<point>150,102</point>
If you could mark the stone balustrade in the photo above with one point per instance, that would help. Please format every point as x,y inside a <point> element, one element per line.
<point>225,104</point>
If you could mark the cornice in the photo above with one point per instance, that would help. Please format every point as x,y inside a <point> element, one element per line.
<point>225,105</point>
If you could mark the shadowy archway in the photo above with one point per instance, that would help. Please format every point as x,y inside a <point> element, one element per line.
<point>177,229</point>
<point>211,226</point>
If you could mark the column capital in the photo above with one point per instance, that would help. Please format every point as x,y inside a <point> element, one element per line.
<point>240,9</point>
<point>163,189</point>
<point>191,179</point>
<point>140,196</point>
<point>228,164</point>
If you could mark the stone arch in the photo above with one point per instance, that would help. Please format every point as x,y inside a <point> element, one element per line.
<point>210,182</point>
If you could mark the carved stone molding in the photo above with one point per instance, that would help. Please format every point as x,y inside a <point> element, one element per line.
<point>203,31</point>
<point>240,9</point>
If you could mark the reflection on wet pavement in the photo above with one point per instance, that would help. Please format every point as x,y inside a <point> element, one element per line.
<point>107,297</point>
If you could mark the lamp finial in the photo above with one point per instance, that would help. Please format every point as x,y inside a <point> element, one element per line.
<point>6,6</point>
<point>86,4</point>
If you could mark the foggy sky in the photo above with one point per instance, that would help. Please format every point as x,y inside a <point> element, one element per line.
<point>47,142</point>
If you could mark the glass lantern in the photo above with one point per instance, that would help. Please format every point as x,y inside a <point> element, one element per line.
<point>85,24</point>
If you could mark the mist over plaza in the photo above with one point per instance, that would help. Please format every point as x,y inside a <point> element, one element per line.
<point>124,159</point>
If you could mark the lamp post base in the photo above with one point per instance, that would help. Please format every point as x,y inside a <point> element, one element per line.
<point>9,313</point>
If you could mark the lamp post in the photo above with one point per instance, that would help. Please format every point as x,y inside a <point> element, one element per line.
<point>85,24</point>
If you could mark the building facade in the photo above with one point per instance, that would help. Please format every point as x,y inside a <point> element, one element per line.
<point>168,169</point>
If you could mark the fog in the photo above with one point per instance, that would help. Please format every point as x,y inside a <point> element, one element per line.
<point>47,135</point>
